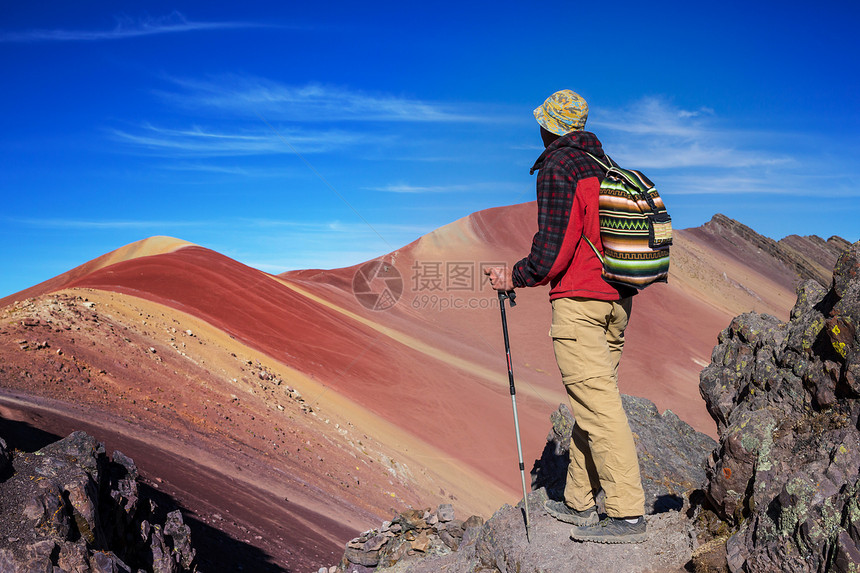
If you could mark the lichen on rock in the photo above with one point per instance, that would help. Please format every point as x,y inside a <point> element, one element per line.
<point>785,398</point>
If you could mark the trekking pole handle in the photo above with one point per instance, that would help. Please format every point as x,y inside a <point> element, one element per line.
<point>509,295</point>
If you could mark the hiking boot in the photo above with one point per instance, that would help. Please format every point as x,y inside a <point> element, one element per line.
<point>560,511</point>
<point>611,530</point>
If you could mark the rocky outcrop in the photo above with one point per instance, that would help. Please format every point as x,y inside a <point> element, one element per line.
<point>411,535</point>
<point>671,455</point>
<point>501,545</point>
<point>786,399</point>
<point>69,508</point>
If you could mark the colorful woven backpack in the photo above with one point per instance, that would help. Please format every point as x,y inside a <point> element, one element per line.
<point>635,229</point>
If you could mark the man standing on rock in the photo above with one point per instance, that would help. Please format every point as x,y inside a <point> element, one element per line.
<point>589,316</point>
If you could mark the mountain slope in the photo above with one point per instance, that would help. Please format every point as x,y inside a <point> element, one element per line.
<point>346,411</point>
<point>718,271</point>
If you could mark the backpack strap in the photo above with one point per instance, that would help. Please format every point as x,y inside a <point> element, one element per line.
<point>593,248</point>
<point>606,169</point>
<point>634,179</point>
<point>604,166</point>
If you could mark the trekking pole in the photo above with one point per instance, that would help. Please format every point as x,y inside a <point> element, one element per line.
<point>510,295</point>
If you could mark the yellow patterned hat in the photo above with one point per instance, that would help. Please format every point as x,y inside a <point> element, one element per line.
<point>562,112</point>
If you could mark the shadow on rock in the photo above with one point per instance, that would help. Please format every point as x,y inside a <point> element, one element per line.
<point>671,455</point>
<point>78,509</point>
<point>24,437</point>
<point>217,550</point>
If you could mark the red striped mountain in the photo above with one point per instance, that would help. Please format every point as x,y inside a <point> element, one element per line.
<point>326,414</point>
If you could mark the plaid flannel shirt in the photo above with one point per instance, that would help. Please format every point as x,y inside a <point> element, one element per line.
<point>561,166</point>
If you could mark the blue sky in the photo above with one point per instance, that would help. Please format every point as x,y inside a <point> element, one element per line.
<point>302,135</point>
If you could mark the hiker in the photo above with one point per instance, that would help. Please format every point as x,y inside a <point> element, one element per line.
<point>589,316</point>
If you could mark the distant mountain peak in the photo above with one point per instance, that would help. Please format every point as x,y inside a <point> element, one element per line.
<point>811,257</point>
<point>156,245</point>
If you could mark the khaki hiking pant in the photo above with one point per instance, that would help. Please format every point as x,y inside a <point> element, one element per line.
<point>588,336</point>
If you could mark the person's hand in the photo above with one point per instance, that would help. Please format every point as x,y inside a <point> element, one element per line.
<point>500,278</point>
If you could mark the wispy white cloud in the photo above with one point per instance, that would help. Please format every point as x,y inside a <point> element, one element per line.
<point>655,117</point>
<point>653,133</point>
<point>197,141</point>
<point>269,244</point>
<point>530,147</point>
<point>761,182</point>
<point>327,228</point>
<point>457,188</point>
<point>330,240</point>
<point>96,225</point>
<point>125,28</point>
<point>313,102</point>
<point>415,156</point>
<point>663,154</point>
<point>204,168</point>
<point>279,245</point>
<point>698,152</point>
<point>285,228</point>
<point>223,169</point>
<point>724,184</point>
<point>405,188</point>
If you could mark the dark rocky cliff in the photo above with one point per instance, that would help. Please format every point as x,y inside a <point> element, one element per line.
<point>786,398</point>
<point>69,508</point>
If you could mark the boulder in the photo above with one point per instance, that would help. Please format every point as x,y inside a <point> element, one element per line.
<point>671,454</point>
<point>502,545</point>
